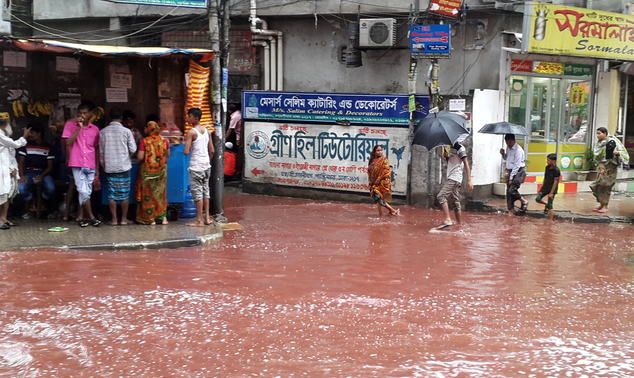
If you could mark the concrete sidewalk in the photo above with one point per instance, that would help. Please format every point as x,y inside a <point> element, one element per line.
<point>33,234</point>
<point>576,207</point>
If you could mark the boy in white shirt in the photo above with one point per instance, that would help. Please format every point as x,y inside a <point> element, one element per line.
<point>456,161</point>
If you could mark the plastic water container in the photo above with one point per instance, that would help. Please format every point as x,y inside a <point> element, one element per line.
<point>188,209</point>
<point>175,131</point>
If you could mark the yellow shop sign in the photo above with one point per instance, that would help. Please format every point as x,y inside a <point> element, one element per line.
<point>560,30</point>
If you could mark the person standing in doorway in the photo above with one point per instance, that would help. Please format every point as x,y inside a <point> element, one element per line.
<point>198,141</point>
<point>116,143</point>
<point>456,162</point>
<point>235,125</point>
<point>515,166</point>
<point>81,139</point>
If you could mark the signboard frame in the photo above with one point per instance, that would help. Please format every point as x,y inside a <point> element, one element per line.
<point>321,156</point>
<point>361,109</point>
<point>200,4</point>
<point>430,41</point>
<point>570,31</point>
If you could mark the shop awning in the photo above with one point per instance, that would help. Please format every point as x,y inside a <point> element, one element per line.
<point>102,50</point>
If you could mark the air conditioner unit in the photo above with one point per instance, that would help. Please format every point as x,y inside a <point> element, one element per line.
<point>377,32</point>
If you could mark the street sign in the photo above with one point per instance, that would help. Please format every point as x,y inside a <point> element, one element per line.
<point>172,3</point>
<point>430,41</point>
<point>446,7</point>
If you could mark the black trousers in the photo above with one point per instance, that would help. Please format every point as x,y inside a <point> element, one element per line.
<point>513,190</point>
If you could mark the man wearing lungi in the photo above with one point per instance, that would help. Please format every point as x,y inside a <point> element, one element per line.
<point>116,143</point>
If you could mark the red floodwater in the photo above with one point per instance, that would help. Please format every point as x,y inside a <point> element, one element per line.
<point>330,290</point>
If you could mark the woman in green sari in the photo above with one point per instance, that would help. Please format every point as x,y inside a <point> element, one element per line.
<point>609,154</point>
<point>151,184</point>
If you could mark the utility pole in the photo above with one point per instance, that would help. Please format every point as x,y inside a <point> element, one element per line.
<point>217,180</point>
<point>22,10</point>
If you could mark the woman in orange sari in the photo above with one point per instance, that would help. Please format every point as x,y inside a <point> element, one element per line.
<point>151,183</point>
<point>380,180</point>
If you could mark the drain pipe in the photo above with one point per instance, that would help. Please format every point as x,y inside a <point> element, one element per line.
<point>272,67</point>
<point>267,54</point>
<point>276,53</point>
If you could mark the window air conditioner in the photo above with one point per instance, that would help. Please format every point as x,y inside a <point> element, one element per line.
<point>377,32</point>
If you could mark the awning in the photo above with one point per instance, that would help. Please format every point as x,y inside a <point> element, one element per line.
<point>52,46</point>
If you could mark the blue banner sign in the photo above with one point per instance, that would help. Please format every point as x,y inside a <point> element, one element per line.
<point>172,3</point>
<point>430,41</point>
<point>331,107</point>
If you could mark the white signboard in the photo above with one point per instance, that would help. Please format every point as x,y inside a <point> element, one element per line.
<point>457,104</point>
<point>322,156</point>
<point>116,95</point>
<point>14,59</point>
<point>64,64</point>
<point>121,81</point>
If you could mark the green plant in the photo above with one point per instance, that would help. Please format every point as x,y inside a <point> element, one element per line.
<point>590,161</point>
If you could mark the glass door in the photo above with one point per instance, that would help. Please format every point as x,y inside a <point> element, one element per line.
<point>573,132</point>
<point>544,120</point>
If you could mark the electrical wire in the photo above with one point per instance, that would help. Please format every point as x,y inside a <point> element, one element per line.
<point>103,39</point>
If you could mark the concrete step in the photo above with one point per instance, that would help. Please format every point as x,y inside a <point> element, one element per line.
<point>529,188</point>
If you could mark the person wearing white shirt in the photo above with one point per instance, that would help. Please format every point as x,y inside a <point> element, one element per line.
<point>8,168</point>
<point>515,166</point>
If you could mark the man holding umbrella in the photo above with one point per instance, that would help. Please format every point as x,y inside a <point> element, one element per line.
<point>515,165</point>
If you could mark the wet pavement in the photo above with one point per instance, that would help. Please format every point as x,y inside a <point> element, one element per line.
<point>576,207</point>
<point>34,234</point>
<point>314,288</point>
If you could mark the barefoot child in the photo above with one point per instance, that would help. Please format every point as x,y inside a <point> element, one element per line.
<point>549,187</point>
<point>450,193</point>
<point>198,141</point>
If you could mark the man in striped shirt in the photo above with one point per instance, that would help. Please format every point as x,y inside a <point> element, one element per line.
<point>116,143</point>
<point>35,163</point>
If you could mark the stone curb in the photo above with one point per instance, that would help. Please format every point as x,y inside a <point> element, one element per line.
<point>482,207</point>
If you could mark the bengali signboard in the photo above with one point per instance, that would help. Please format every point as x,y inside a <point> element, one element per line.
<point>322,156</point>
<point>331,107</point>
<point>174,3</point>
<point>560,30</point>
<point>430,41</point>
<point>447,7</point>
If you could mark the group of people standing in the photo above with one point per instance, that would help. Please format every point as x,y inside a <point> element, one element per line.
<point>86,149</point>
<point>609,153</point>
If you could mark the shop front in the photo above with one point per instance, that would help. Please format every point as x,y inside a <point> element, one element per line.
<point>554,102</point>
<point>571,77</point>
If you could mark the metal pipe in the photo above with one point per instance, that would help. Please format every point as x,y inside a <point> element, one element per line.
<point>276,51</point>
<point>280,62</point>
<point>267,53</point>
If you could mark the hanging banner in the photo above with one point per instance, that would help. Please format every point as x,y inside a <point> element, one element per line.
<point>430,41</point>
<point>174,3</point>
<point>560,30</point>
<point>322,156</point>
<point>447,7</point>
<point>332,107</point>
<point>198,93</point>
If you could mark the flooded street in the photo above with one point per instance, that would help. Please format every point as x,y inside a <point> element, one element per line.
<point>328,289</point>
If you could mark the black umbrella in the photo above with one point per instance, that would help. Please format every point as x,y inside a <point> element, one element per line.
<point>504,128</point>
<point>439,129</point>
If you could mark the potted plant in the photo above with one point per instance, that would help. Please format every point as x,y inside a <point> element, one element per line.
<point>590,166</point>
